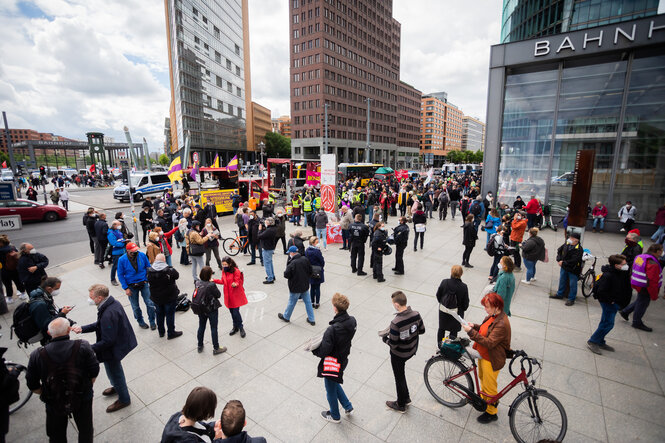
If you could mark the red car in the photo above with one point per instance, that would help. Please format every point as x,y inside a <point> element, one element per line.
<point>31,211</point>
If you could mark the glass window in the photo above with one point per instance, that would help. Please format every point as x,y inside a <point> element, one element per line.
<point>160,179</point>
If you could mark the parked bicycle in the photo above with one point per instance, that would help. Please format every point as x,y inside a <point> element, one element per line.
<point>233,245</point>
<point>589,277</point>
<point>24,393</point>
<point>534,415</point>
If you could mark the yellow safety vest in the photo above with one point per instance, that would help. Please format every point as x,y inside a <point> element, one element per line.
<point>271,198</point>
<point>307,205</point>
<point>296,203</point>
<point>317,202</point>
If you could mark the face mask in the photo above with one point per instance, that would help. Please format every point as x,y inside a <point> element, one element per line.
<point>208,226</point>
<point>569,241</point>
<point>251,217</point>
<point>33,251</point>
<point>226,269</point>
<point>91,302</point>
<point>383,228</point>
<point>624,267</point>
<point>55,292</point>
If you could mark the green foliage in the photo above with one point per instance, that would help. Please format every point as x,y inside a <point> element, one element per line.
<point>465,157</point>
<point>164,160</point>
<point>277,146</point>
<point>4,158</point>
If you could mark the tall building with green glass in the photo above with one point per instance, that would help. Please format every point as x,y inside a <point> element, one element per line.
<point>525,19</point>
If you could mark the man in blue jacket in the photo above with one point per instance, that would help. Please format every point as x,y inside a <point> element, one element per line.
<point>117,241</point>
<point>115,339</point>
<point>133,276</point>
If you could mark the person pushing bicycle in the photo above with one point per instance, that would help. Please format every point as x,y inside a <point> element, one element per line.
<point>492,341</point>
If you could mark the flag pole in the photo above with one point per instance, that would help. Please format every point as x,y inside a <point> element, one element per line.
<point>129,183</point>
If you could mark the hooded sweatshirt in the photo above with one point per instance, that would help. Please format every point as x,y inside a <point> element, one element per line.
<point>201,432</point>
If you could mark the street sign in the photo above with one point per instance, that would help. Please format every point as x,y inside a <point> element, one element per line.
<point>10,222</point>
<point>195,156</point>
<point>7,192</point>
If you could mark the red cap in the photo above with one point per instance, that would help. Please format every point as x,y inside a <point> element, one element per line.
<point>634,231</point>
<point>131,247</point>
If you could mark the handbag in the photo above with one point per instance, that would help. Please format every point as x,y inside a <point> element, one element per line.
<point>196,250</point>
<point>421,227</point>
<point>316,272</point>
<point>489,224</point>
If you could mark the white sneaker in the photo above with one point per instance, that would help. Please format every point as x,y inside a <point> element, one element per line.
<point>526,282</point>
<point>533,278</point>
<point>622,230</point>
<point>9,300</point>
<point>23,296</point>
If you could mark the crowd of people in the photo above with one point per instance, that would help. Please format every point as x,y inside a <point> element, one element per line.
<point>169,223</point>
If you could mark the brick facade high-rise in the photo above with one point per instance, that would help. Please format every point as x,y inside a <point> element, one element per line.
<point>441,128</point>
<point>408,126</point>
<point>282,125</point>
<point>20,135</point>
<point>343,52</point>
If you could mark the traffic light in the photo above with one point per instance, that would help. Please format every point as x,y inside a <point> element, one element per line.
<point>42,171</point>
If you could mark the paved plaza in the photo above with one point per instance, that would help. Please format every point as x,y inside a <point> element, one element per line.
<point>615,397</point>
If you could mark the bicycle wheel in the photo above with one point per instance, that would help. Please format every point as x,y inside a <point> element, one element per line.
<point>231,246</point>
<point>587,283</point>
<point>439,369</point>
<point>536,415</point>
<point>24,392</point>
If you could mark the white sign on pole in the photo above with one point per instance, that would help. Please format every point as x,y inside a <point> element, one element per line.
<point>328,182</point>
<point>10,222</point>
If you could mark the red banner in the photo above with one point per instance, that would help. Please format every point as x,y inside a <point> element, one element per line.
<point>333,233</point>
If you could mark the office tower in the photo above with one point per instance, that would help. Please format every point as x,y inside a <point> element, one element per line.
<point>473,134</point>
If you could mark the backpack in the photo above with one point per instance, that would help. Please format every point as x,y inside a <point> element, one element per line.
<point>449,300</point>
<point>475,209</point>
<point>11,261</point>
<point>178,236</point>
<point>594,287</point>
<point>182,303</point>
<point>443,197</point>
<point>491,245</point>
<point>64,386</point>
<point>200,302</point>
<point>24,326</point>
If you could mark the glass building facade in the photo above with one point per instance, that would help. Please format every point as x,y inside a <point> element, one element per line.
<point>611,100</point>
<point>524,19</point>
<point>206,63</point>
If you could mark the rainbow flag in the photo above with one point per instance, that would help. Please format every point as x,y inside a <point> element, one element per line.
<point>175,170</point>
<point>195,171</point>
<point>215,164</point>
<point>233,164</point>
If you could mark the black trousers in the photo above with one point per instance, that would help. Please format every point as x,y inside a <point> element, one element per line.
<point>402,210</point>
<point>467,253</point>
<point>377,265</point>
<point>639,307</point>
<point>628,224</point>
<point>516,253</point>
<point>357,257</point>
<point>415,239</point>
<point>398,364</point>
<point>531,220</point>
<point>443,211</point>
<point>399,258</point>
<point>92,243</point>
<point>56,424</point>
<point>283,238</point>
<point>447,323</point>
<point>7,278</point>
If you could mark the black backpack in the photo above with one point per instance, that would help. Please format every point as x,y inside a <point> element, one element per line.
<point>475,208</point>
<point>449,300</point>
<point>178,236</point>
<point>182,303</point>
<point>64,386</point>
<point>24,326</point>
<point>491,246</point>
<point>200,304</point>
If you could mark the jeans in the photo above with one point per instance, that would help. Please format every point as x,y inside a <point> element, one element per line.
<point>134,301</point>
<point>56,423</point>
<point>252,250</point>
<point>65,204</point>
<point>564,278</point>
<point>494,270</point>
<point>243,233</point>
<point>606,323</point>
<point>236,317</point>
<point>453,208</point>
<point>213,250</point>
<point>428,209</point>
<point>335,393</point>
<point>293,299</point>
<point>315,292</point>
<point>169,261</point>
<point>114,266</point>
<point>321,235</point>
<point>306,217</point>
<point>203,319</point>
<point>415,239</point>
<point>530,269</point>
<point>639,306</point>
<point>345,238</point>
<point>656,236</point>
<point>357,256</point>
<point>476,223</point>
<point>600,221</point>
<point>197,265</point>
<point>370,208</point>
<point>166,311</point>
<point>267,263</point>
<point>116,376</point>
<point>399,372</point>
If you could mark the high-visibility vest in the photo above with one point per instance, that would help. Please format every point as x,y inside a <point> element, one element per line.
<point>271,198</point>
<point>307,205</point>
<point>317,202</point>
<point>296,203</point>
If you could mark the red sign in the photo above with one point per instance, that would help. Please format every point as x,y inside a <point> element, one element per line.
<point>328,197</point>
<point>333,234</point>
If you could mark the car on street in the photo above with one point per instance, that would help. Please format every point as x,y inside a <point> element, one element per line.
<point>32,211</point>
<point>7,175</point>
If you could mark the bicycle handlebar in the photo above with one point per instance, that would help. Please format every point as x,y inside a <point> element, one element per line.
<point>526,363</point>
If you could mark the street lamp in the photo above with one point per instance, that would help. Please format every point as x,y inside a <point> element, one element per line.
<point>262,147</point>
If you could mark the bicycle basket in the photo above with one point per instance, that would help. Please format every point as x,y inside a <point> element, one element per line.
<point>452,349</point>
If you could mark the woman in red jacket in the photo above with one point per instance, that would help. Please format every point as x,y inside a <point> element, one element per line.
<point>234,292</point>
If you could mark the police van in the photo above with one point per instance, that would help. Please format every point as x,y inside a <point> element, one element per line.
<point>143,185</point>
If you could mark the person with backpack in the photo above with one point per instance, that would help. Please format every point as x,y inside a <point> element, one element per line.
<point>9,257</point>
<point>205,304</point>
<point>452,294</point>
<point>196,247</point>
<point>133,276</point>
<point>478,210</point>
<point>42,309</point>
<point>62,373</point>
<point>613,292</point>
<point>533,250</point>
<point>496,248</point>
<point>401,239</point>
<point>469,237</point>
<point>492,222</point>
<point>188,425</point>
<point>334,353</point>
<point>647,279</point>
<point>31,267</point>
<point>444,201</point>
<point>164,294</point>
<point>298,273</point>
<point>315,257</point>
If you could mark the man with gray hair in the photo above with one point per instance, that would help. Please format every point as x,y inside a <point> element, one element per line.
<point>63,373</point>
<point>268,239</point>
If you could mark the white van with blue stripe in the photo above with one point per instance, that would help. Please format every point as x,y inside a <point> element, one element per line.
<point>144,185</point>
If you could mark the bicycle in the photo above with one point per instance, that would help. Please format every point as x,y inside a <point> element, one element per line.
<point>24,393</point>
<point>233,245</point>
<point>589,277</point>
<point>534,415</point>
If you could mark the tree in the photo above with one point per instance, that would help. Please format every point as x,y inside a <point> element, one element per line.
<point>164,160</point>
<point>478,158</point>
<point>277,146</point>
<point>4,158</point>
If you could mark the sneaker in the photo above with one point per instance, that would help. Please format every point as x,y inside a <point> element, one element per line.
<point>593,347</point>
<point>268,282</point>
<point>395,407</point>
<point>219,350</point>
<point>281,317</point>
<point>143,326</point>
<point>327,416</point>
<point>348,411</point>
<point>116,406</point>
<point>175,334</point>
<point>623,315</point>
<point>9,300</point>
<point>570,302</point>
<point>556,297</point>
<point>311,322</point>
<point>606,347</point>
<point>114,283</point>
<point>485,418</point>
<point>23,296</point>
<point>362,273</point>
<point>533,278</point>
<point>643,327</point>
<point>526,282</point>
<point>622,230</point>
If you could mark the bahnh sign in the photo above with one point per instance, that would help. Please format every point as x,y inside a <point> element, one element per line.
<point>543,47</point>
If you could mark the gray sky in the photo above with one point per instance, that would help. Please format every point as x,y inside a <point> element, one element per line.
<point>72,66</point>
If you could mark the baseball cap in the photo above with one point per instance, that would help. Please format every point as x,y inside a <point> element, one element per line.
<point>292,249</point>
<point>575,235</point>
<point>131,247</point>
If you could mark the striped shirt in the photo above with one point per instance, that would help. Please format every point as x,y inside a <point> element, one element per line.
<point>404,331</point>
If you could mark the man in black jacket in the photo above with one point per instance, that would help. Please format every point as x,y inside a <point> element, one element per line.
<point>115,339</point>
<point>268,240</point>
<point>569,258</point>
<point>298,272</point>
<point>89,219</point>
<point>359,232</point>
<point>164,294</point>
<point>145,217</point>
<point>401,236</point>
<point>613,291</point>
<point>101,239</point>
<point>31,267</point>
<point>334,352</point>
<point>455,197</point>
<point>42,378</point>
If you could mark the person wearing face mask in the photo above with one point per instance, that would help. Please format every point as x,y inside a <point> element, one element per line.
<point>42,307</point>
<point>647,279</point>
<point>253,238</point>
<point>505,283</point>
<point>378,245</point>
<point>419,226</point>
<point>517,229</point>
<point>280,224</point>
<point>533,250</point>
<point>31,267</point>
<point>315,257</point>
<point>196,247</point>
<point>633,248</point>
<point>268,241</point>
<point>627,216</point>
<point>569,258</point>
<point>164,294</point>
<point>212,245</point>
<point>117,242</point>
<point>613,291</point>
<point>234,293</point>
<point>132,273</point>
